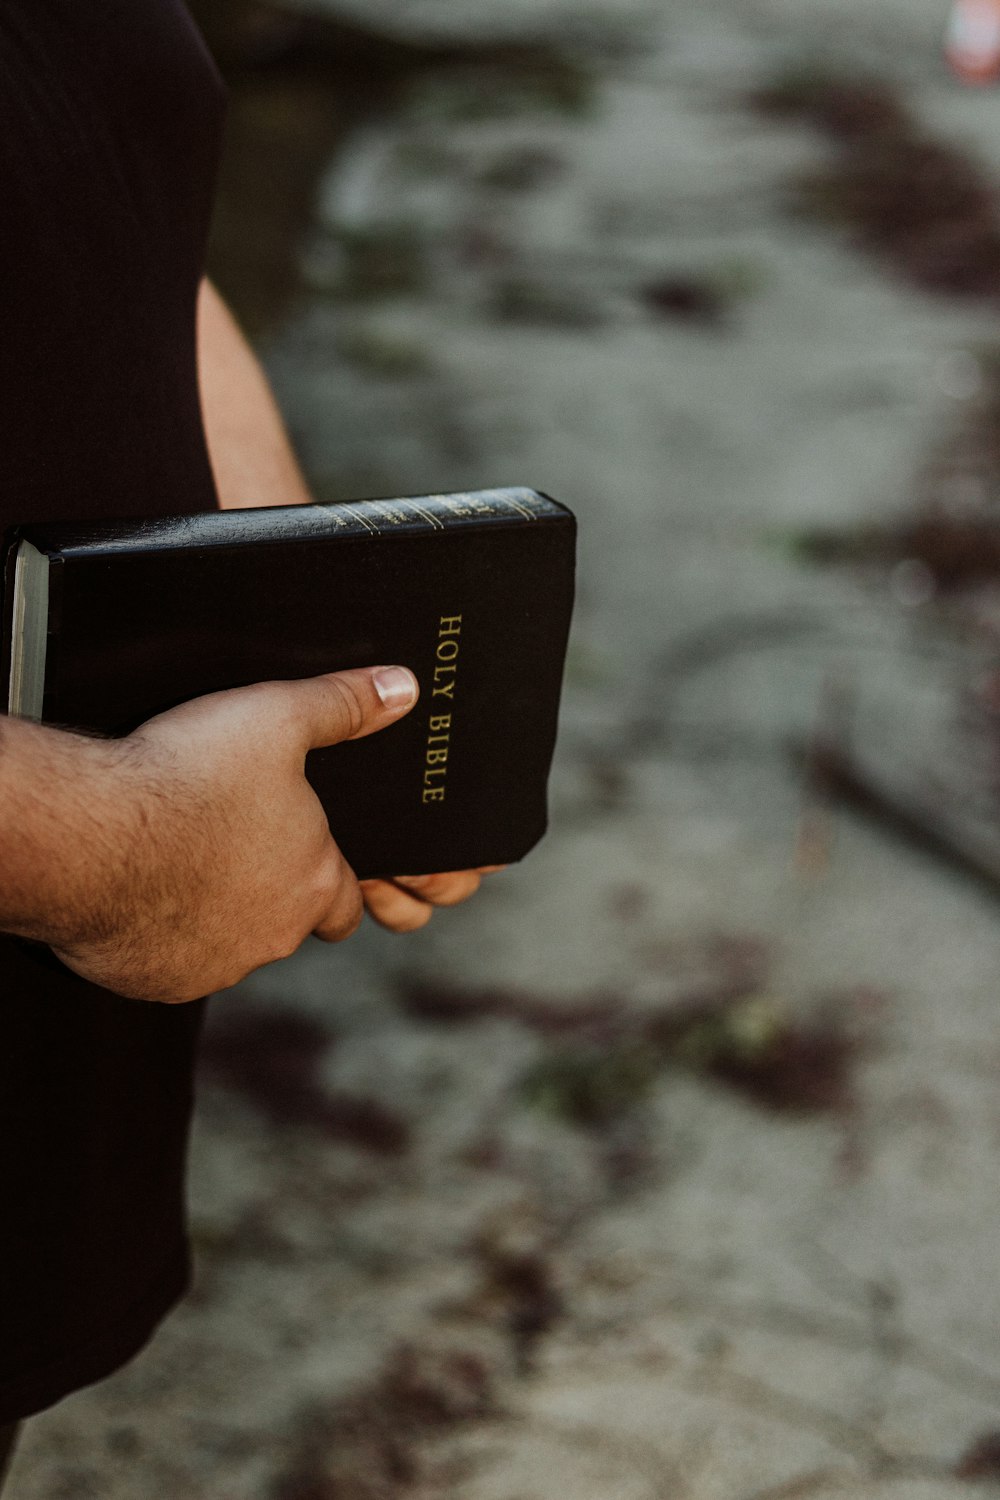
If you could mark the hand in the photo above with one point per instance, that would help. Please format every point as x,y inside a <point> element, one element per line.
<point>223,856</point>
<point>408,901</point>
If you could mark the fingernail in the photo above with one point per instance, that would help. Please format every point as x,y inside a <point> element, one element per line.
<point>396,686</point>
<point>413,882</point>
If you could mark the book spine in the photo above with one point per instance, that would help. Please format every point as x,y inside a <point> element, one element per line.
<point>294,523</point>
<point>438,512</point>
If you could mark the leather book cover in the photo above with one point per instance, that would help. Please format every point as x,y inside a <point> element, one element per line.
<point>473,592</point>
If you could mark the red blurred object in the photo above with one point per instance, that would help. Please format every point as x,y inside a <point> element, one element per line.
<point>972,43</point>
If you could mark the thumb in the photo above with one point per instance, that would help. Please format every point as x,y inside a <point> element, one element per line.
<point>348,705</point>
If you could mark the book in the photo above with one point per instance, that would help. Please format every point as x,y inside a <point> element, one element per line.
<point>107,623</point>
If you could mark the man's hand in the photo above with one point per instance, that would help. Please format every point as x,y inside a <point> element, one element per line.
<point>194,850</point>
<point>253,464</point>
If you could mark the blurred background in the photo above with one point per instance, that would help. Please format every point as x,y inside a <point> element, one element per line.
<point>667,1168</point>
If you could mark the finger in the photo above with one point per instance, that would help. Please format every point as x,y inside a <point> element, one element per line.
<point>346,910</point>
<point>441,890</point>
<point>347,705</point>
<point>489,869</point>
<point>395,908</point>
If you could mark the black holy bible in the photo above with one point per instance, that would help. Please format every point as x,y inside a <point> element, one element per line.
<point>107,623</point>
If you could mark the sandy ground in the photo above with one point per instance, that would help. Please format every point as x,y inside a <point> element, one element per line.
<point>694,1297</point>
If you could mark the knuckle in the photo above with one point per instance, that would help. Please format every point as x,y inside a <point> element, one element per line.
<point>332,884</point>
<point>351,705</point>
<point>343,916</point>
<point>353,918</point>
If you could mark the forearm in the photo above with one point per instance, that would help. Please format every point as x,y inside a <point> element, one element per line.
<point>72,807</point>
<point>252,458</point>
<point>65,834</point>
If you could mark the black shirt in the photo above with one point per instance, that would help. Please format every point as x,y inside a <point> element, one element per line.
<point>110,122</point>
